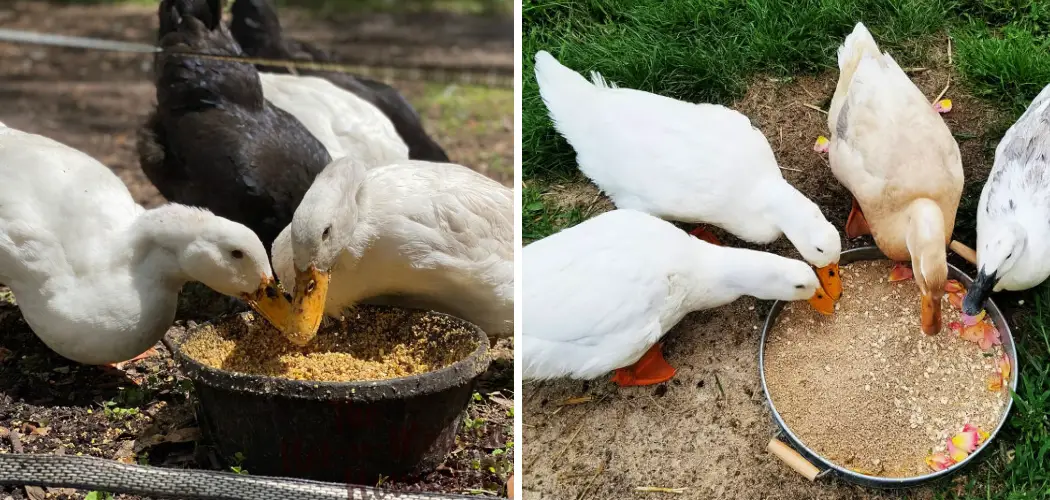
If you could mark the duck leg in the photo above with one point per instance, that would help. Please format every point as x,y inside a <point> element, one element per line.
<point>149,353</point>
<point>702,233</point>
<point>856,224</point>
<point>649,370</point>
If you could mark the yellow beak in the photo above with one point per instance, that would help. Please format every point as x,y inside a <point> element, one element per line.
<point>311,289</point>
<point>270,303</point>
<point>830,280</point>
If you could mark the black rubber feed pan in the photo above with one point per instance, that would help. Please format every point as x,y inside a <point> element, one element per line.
<point>811,464</point>
<point>348,432</point>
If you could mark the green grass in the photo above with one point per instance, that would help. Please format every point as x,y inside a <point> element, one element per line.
<point>711,50</point>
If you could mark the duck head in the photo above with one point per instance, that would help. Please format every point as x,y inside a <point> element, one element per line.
<point>321,230</point>
<point>815,238</point>
<point>997,252</point>
<point>230,259</point>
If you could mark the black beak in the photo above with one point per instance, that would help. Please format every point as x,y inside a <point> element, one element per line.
<point>978,293</point>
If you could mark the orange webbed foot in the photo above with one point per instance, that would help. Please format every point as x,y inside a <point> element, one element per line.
<point>651,369</point>
<point>704,234</point>
<point>856,224</point>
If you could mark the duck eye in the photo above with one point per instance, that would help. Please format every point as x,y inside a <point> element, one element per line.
<point>800,286</point>
<point>819,250</point>
<point>237,254</point>
<point>327,231</point>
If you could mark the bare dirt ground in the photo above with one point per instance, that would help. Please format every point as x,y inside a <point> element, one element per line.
<point>708,428</point>
<point>94,101</point>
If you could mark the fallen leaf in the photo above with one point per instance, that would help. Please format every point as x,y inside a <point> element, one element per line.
<point>954,286</point>
<point>35,493</point>
<point>504,402</point>
<point>994,382</point>
<point>939,461</point>
<point>901,273</point>
<point>966,441</point>
<point>943,106</point>
<point>41,431</point>
<point>822,145</point>
<point>183,435</point>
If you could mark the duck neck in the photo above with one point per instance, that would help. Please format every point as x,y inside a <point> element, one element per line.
<point>158,237</point>
<point>926,241</point>
<point>719,275</point>
<point>787,209</point>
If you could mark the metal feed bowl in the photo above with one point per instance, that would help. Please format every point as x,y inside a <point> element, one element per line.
<point>813,466</point>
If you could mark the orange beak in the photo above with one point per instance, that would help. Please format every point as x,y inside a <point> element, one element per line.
<point>311,289</point>
<point>822,302</point>
<point>270,303</point>
<point>830,280</point>
<point>931,315</point>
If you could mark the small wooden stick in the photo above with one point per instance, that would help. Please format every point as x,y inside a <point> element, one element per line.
<point>963,251</point>
<point>655,489</point>
<point>815,108</point>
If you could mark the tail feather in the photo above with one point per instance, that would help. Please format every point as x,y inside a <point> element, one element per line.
<point>857,45</point>
<point>559,84</point>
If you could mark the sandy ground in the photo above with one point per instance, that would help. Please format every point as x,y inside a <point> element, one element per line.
<point>708,428</point>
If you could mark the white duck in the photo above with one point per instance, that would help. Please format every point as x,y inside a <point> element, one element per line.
<point>596,300</point>
<point>346,124</point>
<point>696,163</point>
<point>414,234</point>
<point>95,275</point>
<point>1013,239</point>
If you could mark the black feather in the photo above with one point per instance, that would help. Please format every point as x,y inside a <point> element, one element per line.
<point>257,29</point>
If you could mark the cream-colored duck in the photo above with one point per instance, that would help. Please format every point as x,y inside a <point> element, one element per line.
<point>95,275</point>
<point>1013,237</point>
<point>898,158</point>
<point>416,234</point>
<point>695,163</point>
<point>599,296</point>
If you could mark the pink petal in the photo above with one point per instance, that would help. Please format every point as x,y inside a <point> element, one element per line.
<point>956,300</point>
<point>943,106</point>
<point>969,428</point>
<point>956,327</point>
<point>901,272</point>
<point>822,145</point>
<point>1004,368</point>
<point>954,286</point>
<point>939,461</point>
<point>966,441</point>
<point>956,454</point>
<point>973,320</point>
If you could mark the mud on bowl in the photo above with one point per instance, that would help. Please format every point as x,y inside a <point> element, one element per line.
<point>811,464</point>
<point>351,432</point>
